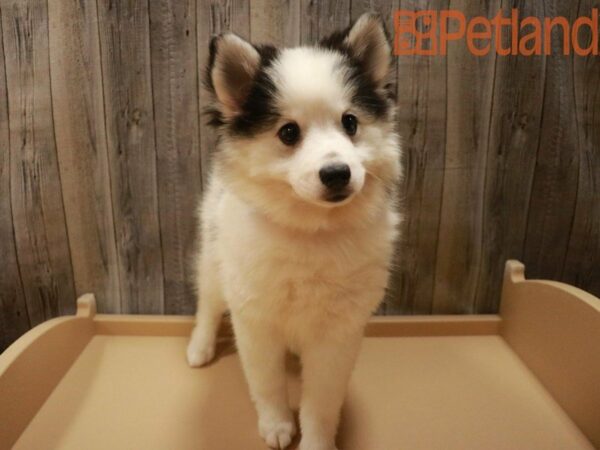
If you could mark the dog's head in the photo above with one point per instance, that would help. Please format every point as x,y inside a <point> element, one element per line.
<point>307,134</point>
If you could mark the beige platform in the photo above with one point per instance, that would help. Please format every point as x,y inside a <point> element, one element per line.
<point>526,379</point>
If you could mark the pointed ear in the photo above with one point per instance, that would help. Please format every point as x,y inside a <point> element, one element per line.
<point>369,44</point>
<point>233,65</point>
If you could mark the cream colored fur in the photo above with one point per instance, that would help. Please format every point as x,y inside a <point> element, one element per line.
<point>296,272</point>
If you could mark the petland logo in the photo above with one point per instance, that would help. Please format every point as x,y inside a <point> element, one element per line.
<point>428,33</point>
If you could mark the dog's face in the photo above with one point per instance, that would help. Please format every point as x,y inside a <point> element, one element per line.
<point>306,129</point>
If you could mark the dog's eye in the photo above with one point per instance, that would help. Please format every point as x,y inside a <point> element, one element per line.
<point>350,124</point>
<point>289,133</point>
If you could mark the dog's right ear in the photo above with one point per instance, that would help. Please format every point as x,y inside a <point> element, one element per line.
<point>370,45</point>
<point>232,67</point>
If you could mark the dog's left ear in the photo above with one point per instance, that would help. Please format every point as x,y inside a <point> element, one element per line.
<point>369,44</point>
<point>232,68</point>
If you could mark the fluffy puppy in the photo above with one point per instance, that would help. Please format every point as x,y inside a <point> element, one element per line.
<point>299,219</point>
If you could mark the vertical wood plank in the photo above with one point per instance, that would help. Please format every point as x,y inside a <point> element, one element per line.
<point>554,190</point>
<point>319,19</point>
<point>470,90</point>
<point>37,205</point>
<point>511,158</point>
<point>582,263</point>
<point>79,125</point>
<point>422,120</point>
<point>276,23</point>
<point>125,53</point>
<point>13,309</point>
<point>100,110</point>
<point>175,90</point>
<point>385,8</point>
<point>215,17</point>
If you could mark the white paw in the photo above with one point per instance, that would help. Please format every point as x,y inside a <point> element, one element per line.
<point>277,433</point>
<point>200,351</point>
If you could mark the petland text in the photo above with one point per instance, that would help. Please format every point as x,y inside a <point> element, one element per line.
<point>428,33</point>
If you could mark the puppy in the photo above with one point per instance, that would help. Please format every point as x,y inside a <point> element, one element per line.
<point>299,218</point>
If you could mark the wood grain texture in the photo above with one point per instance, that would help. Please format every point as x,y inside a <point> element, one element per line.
<point>14,319</point>
<point>514,139</point>
<point>130,128</point>
<point>35,189</point>
<point>422,96</point>
<point>581,266</point>
<point>79,124</point>
<point>320,19</point>
<point>101,109</point>
<point>275,25</point>
<point>554,190</point>
<point>175,91</point>
<point>471,81</point>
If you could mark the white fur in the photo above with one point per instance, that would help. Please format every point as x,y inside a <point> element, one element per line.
<point>296,272</point>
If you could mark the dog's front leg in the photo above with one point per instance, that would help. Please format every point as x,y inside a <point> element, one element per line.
<point>262,353</point>
<point>326,369</point>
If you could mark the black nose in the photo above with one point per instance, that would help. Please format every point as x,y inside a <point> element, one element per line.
<point>335,176</point>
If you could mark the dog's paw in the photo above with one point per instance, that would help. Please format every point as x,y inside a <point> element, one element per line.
<point>277,433</point>
<point>200,352</point>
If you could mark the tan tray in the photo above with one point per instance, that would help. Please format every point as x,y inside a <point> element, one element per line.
<point>526,379</point>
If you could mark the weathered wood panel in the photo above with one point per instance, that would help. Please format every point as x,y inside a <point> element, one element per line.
<point>278,26</point>
<point>513,143</point>
<point>469,103</point>
<point>175,90</point>
<point>422,97</point>
<point>554,190</point>
<point>101,109</point>
<point>78,105</point>
<point>125,51</point>
<point>35,190</point>
<point>582,264</point>
<point>14,320</point>
<point>320,19</point>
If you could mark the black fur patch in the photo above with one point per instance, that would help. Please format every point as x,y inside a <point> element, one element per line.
<point>367,96</point>
<point>335,41</point>
<point>258,111</point>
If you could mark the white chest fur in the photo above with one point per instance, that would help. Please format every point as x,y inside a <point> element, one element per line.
<point>300,280</point>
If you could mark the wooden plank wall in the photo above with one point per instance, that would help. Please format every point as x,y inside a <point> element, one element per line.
<point>104,153</point>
